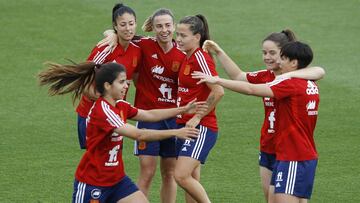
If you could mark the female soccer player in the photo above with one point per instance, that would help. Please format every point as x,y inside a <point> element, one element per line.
<point>296,110</point>
<point>157,88</point>
<point>191,33</point>
<point>271,47</point>
<point>125,53</point>
<point>100,175</point>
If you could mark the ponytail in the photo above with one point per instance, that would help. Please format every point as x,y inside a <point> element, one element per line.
<point>147,26</point>
<point>63,79</point>
<point>205,35</point>
<point>290,35</point>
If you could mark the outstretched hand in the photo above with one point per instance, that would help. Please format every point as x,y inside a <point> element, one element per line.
<point>204,78</point>
<point>196,107</point>
<point>211,46</point>
<point>187,133</point>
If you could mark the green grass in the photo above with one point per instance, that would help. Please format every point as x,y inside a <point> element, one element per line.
<point>39,148</point>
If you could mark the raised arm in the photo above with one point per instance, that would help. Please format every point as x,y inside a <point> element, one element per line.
<point>309,73</point>
<point>132,132</point>
<point>261,90</point>
<point>231,69</point>
<point>155,115</point>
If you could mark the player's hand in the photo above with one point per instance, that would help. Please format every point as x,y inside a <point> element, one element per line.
<point>187,133</point>
<point>110,40</point>
<point>204,78</point>
<point>211,46</point>
<point>196,107</point>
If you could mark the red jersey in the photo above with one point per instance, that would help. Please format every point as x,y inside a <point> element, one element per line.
<point>129,58</point>
<point>102,164</point>
<point>188,89</point>
<point>158,76</point>
<point>268,128</point>
<point>296,108</point>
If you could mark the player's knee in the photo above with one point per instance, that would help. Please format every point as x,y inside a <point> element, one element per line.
<point>147,174</point>
<point>181,178</point>
<point>167,174</point>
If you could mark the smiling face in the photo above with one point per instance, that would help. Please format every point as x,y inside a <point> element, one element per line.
<point>271,55</point>
<point>125,26</point>
<point>163,26</point>
<point>186,40</point>
<point>117,90</point>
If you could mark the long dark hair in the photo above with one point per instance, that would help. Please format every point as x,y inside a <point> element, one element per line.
<point>78,78</point>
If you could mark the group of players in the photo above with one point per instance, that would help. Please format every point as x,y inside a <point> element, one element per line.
<point>177,78</point>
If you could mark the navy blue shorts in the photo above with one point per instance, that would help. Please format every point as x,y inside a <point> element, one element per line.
<point>294,177</point>
<point>87,193</point>
<point>267,160</point>
<point>164,148</point>
<point>200,147</point>
<point>82,131</point>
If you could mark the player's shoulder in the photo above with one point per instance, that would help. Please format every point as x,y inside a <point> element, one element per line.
<point>122,102</point>
<point>279,80</point>
<point>202,58</point>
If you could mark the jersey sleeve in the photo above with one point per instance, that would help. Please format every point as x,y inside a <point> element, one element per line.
<point>111,120</point>
<point>99,54</point>
<point>282,88</point>
<point>130,110</point>
<point>259,77</point>
<point>206,63</point>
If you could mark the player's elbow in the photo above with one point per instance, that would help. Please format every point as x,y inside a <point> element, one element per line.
<point>219,92</point>
<point>322,72</point>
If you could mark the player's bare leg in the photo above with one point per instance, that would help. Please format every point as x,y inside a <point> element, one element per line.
<point>285,198</point>
<point>265,175</point>
<point>168,186</point>
<point>195,175</point>
<point>136,197</point>
<point>147,172</point>
<point>185,167</point>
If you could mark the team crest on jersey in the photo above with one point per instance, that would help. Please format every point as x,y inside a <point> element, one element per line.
<point>135,61</point>
<point>142,145</point>
<point>175,66</point>
<point>187,70</point>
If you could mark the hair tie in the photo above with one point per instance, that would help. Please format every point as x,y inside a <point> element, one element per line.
<point>285,33</point>
<point>97,67</point>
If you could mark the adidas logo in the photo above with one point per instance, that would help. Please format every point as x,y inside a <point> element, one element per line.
<point>311,88</point>
<point>154,56</point>
<point>278,185</point>
<point>184,149</point>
